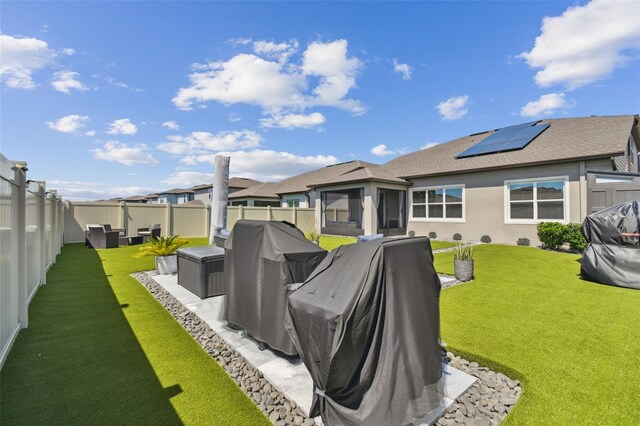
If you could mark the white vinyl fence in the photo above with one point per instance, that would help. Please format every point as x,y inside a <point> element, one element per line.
<point>175,219</point>
<point>31,235</point>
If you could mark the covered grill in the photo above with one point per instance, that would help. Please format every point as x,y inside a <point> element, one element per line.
<point>366,324</point>
<point>264,261</point>
<point>612,255</point>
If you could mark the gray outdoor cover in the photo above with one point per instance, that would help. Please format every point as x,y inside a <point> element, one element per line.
<point>611,257</point>
<point>219,196</point>
<point>262,262</point>
<point>366,324</point>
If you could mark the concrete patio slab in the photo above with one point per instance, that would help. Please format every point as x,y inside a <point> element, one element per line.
<point>290,376</point>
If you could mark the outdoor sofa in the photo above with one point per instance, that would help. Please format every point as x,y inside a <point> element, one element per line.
<point>151,231</point>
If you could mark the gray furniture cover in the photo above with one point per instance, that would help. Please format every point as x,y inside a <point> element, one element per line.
<point>201,270</point>
<point>612,255</point>
<point>263,261</point>
<point>366,324</point>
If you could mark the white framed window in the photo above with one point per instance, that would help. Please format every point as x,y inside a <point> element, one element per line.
<point>438,204</point>
<point>293,203</point>
<point>537,200</point>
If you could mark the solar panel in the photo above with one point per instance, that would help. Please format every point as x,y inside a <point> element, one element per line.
<point>506,139</point>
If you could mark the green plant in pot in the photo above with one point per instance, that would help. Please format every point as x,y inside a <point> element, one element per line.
<point>463,262</point>
<point>164,249</point>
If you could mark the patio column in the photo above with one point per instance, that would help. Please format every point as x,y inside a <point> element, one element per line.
<point>20,220</point>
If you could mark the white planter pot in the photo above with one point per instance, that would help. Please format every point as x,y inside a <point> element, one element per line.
<point>167,265</point>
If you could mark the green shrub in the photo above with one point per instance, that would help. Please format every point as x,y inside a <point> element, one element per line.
<point>161,246</point>
<point>573,236</point>
<point>463,252</point>
<point>433,235</point>
<point>412,233</point>
<point>485,239</point>
<point>524,242</point>
<point>551,234</point>
<point>457,237</point>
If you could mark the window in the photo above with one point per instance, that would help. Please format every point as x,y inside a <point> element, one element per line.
<point>444,203</point>
<point>238,203</point>
<point>536,200</point>
<point>293,203</point>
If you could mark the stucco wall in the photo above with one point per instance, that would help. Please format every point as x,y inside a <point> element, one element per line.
<point>484,203</point>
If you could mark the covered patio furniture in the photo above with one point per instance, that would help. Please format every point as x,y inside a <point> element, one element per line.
<point>99,238</point>
<point>201,270</point>
<point>366,325</point>
<point>263,263</point>
<point>152,231</point>
<point>220,237</point>
<point>367,238</point>
<point>612,255</point>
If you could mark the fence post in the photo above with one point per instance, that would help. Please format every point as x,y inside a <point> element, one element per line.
<point>169,219</point>
<point>241,212</point>
<point>269,213</point>
<point>41,230</point>
<point>294,216</point>
<point>20,169</point>
<point>207,219</point>
<point>124,217</point>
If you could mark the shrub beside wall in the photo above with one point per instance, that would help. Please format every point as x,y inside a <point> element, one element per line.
<point>554,235</point>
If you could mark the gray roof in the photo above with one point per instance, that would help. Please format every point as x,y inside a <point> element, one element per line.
<point>566,139</point>
<point>263,190</point>
<point>234,182</point>
<point>302,182</point>
<point>136,198</point>
<point>370,173</point>
<point>176,191</point>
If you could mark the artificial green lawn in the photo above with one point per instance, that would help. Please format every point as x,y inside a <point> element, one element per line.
<point>329,242</point>
<point>574,344</point>
<point>101,350</point>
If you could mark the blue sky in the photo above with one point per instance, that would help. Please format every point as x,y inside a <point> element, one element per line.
<point>110,99</point>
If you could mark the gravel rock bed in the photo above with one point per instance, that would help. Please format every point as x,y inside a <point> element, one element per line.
<point>486,402</point>
<point>270,401</point>
<point>453,283</point>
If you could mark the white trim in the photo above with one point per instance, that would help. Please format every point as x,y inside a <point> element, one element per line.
<point>426,204</point>
<point>535,220</point>
<point>7,347</point>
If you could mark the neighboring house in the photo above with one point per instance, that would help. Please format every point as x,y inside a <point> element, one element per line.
<point>175,196</point>
<point>204,192</point>
<point>261,195</point>
<point>504,189</point>
<point>152,198</point>
<point>136,199</point>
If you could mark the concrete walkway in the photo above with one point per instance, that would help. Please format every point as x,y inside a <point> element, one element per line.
<point>290,376</point>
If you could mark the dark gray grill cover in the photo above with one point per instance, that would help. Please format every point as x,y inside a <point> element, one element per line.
<point>366,324</point>
<point>611,257</point>
<point>262,260</point>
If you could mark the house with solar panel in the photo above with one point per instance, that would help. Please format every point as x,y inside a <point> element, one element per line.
<point>499,182</point>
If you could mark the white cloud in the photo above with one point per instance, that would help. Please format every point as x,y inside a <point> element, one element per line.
<point>90,133</point>
<point>205,142</point>
<point>89,191</point>
<point>403,69</point>
<point>185,178</point>
<point>279,51</point>
<point>267,165</point>
<point>21,57</point>
<point>65,81</point>
<point>123,126</point>
<point>381,150</point>
<point>113,82</point>
<point>546,105</point>
<point>124,154</point>
<point>238,41</point>
<point>68,51</point>
<point>291,121</point>
<point>429,145</point>
<point>171,125</point>
<point>453,108</point>
<point>585,43</point>
<point>69,123</point>
<point>234,117</point>
<point>277,85</point>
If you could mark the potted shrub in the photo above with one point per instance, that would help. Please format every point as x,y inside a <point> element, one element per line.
<point>463,262</point>
<point>164,249</point>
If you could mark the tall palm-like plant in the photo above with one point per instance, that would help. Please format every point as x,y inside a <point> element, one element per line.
<point>162,246</point>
